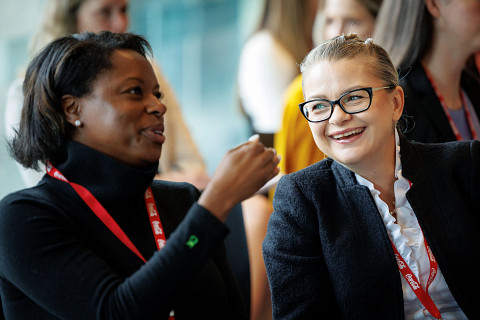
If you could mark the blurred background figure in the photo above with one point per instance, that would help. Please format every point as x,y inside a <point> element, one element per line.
<point>473,63</point>
<point>294,141</point>
<point>269,61</point>
<point>431,41</point>
<point>181,160</point>
<point>349,16</point>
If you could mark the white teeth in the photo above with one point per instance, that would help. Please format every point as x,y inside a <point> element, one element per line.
<point>346,134</point>
<point>158,132</point>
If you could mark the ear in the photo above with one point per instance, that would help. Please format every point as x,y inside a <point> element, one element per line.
<point>398,102</point>
<point>432,7</point>
<point>71,108</point>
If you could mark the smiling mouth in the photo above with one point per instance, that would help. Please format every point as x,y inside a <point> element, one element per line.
<point>155,134</point>
<point>348,134</point>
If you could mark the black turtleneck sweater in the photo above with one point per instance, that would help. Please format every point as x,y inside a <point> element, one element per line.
<point>59,261</point>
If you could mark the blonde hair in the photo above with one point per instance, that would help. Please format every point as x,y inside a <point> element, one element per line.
<point>353,47</point>
<point>285,20</point>
<point>59,19</point>
<point>405,29</point>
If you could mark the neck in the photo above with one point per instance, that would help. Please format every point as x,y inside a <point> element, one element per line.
<point>382,174</point>
<point>446,65</point>
<point>383,181</point>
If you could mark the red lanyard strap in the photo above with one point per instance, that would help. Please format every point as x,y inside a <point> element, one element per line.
<point>447,112</point>
<point>413,282</point>
<point>107,219</point>
<point>155,222</point>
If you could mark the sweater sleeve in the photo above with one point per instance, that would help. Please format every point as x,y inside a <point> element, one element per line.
<point>298,276</point>
<point>47,263</point>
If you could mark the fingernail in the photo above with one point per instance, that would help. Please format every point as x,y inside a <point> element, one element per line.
<point>254,137</point>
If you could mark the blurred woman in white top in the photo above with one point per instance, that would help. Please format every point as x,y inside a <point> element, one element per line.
<point>269,61</point>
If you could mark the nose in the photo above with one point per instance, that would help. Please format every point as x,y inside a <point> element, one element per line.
<point>339,116</point>
<point>119,22</point>
<point>334,29</point>
<point>345,28</point>
<point>156,107</point>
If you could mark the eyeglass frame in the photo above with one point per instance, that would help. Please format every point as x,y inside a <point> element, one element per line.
<point>333,103</point>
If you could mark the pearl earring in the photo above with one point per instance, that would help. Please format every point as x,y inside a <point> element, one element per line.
<point>78,123</point>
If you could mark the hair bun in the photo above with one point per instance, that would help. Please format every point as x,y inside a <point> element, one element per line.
<point>368,40</point>
<point>351,36</point>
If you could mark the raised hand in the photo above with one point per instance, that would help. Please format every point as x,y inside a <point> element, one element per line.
<point>242,171</point>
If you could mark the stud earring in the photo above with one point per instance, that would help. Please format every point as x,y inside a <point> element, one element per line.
<point>78,123</point>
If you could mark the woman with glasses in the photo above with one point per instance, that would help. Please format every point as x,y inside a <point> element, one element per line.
<point>384,228</point>
<point>293,141</point>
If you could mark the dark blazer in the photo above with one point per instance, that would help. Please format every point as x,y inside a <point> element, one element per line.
<point>327,252</point>
<point>424,114</point>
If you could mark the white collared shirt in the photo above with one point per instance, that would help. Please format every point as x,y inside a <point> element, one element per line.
<point>407,237</point>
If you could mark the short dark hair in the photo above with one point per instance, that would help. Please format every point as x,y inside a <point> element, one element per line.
<point>68,65</point>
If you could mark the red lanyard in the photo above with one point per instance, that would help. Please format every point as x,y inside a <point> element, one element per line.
<point>447,113</point>
<point>110,223</point>
<point>107,219</point>
<point>412,280</point>
<point>407,273</point>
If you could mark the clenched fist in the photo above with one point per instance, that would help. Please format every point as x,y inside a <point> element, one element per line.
<point>242,171</point>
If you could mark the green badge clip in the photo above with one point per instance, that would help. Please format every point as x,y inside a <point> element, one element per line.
<point>192,241</point>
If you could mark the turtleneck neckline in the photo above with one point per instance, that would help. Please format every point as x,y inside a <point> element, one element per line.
<point>106,178</point>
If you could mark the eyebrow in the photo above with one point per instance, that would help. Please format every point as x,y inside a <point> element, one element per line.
<point>324,97</point>
<point>135,79</point>
<point>141,81</point>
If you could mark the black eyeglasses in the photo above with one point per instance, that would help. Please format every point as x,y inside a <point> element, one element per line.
<point>351,102</point>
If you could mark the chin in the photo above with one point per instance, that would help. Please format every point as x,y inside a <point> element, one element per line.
<point>347,159</point>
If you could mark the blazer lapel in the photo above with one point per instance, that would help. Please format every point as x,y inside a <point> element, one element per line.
<point>420,195</point>
<point>375,276</point>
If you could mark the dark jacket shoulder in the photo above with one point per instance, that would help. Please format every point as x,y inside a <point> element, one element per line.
<point>323,173</point>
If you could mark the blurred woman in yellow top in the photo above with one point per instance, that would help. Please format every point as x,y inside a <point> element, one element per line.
<point>293,141</point>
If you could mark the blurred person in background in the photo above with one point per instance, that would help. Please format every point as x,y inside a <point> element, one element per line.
<point>181,160</point>
<point>269,61</point>
<point>431,41</point>
<point>294,142</point>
